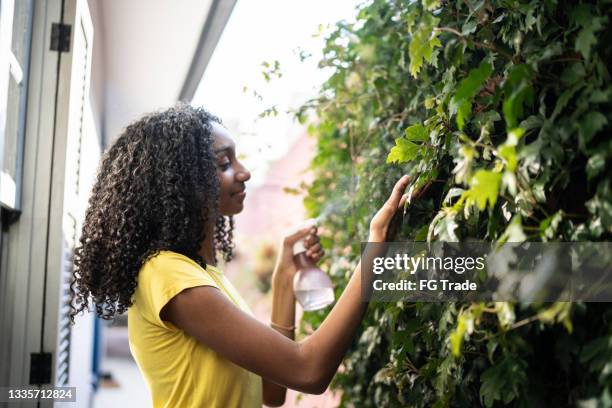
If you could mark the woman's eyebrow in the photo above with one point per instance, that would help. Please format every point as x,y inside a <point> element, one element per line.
<point>224,149</point>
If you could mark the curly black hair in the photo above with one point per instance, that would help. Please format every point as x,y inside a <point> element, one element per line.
<point>156,189</point>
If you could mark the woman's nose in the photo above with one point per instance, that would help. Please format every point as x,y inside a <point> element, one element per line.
<point>243,174</point>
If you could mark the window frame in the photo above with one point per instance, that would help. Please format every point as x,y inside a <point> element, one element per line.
<point>12,70</point>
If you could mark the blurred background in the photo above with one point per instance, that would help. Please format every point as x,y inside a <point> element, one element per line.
<point>73,73</point>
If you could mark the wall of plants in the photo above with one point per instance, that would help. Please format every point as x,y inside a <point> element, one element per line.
<point>503,108</point>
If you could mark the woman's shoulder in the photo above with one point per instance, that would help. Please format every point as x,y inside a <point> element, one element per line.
<point>167,264</point>
<point>174,262</point>
<point>168,272</point>
<point>163,258</point>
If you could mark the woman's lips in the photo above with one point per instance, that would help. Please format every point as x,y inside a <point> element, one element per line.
<point>241,195</point>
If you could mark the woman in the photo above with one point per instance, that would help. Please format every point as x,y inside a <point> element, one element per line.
<point>159,213</point>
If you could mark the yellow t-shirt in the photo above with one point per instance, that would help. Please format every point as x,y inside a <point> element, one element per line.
<point>180,371</point>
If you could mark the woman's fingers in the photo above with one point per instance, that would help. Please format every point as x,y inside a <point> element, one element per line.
<point>311,240</point>
<point>403,200</point>
<point>316,252</point>
<point>301,233</point>
<point>314,248</point>
<point>393,202</point>
<point>413,194</point>
<point>398,190</point>
<point>380,222</point>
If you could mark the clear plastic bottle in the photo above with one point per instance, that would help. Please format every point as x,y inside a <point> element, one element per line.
<point>312,287</point>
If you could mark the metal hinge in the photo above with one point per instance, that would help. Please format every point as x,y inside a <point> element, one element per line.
<point>7,217</point>
<point>60,37</point>
<point>40,368</point>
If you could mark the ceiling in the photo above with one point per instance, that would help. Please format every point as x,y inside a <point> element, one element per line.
<point>153,52</point>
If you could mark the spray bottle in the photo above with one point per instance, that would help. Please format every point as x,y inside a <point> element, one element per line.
<point>312,287</point>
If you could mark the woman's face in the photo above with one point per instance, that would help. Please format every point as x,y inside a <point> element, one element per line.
<point>232,174</point>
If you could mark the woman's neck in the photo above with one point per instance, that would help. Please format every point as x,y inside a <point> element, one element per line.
<point>207,247</point>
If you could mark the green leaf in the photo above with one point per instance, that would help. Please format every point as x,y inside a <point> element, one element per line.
<point>469,27</point>
<point>503,381</point>
<point>491,347</point>
<point>417,133</point>
<point>598,353</point>
<point>563,100</point>
<point>595,165</point>
<point>487,116</point>
<point>505,313</point>
<point>456,337</point>
<point>467,89</point>
<point>421,234</point>
<point>514,231</point>
<point>582,16</point>
<point>464,111</point>
<point>429,102</point>
<point>484,188</point>
<point>518,93</point>
<point>601,96</point>
<point>508,153</point>
<point>513,104</point>
<point>559,312</point>
<point>431,4</point>
<point>592,123</point>
<point>514,135</point>
<point>585,41</point>
<point>422,44</point>
<point>548,226</point>
<point>573,74</point>
<point>403,151</point>
<point>470,85</point>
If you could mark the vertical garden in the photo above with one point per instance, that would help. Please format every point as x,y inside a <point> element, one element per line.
<point>502,108</point>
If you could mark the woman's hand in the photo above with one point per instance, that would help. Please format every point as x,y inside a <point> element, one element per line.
<point>283,300</point>
<point>284,263</point>
<point>379,226</point>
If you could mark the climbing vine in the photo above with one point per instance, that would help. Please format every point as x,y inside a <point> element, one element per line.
<point>502,108</point>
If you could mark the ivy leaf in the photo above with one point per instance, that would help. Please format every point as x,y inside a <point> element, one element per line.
<point>484,188</point>
<point>592,123</point>
<point>421,234</point>
<point>582,16</point>
<point>508,153</point>
<point>559,312</point>
<point>470,85</point>
<point>469,27</point>
<point>514,232</point>
<point>491,347</point>
<point>417,133</point>
<point>463,113</point>
<point>467,89</point>
<point>422,44</point>
<point>456,337</point>
<point>513,104</point>
<point>598,353</point>
<point>505,314</point>
<point>586,39</point>
<point>519,92</point>
<point>502,381</point>
<point>403,151</point>
<point>431,4</point>
<point>595,165</point>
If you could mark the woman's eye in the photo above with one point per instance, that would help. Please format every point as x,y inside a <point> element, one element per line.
<point>224,166</point>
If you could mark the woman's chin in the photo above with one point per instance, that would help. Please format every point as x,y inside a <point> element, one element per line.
<point>236,209</point>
